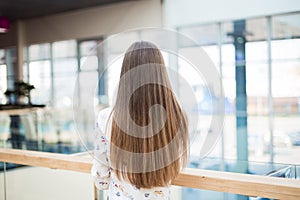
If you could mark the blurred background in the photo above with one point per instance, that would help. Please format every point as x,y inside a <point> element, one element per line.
<point>255,46</point>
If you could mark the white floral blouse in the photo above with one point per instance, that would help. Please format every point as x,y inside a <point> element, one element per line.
<point>104,176</point>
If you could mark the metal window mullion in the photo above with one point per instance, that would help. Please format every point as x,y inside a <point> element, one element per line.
<point>100,69</point>
<point>270,94</point>
<point>27,63</point>
<point>52,75</point>
<point>220,41</point>
<point>78,55</point>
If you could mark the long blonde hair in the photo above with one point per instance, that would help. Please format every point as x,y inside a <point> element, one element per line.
<point>160,169</point>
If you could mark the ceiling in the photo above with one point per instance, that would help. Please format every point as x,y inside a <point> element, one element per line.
<point>25,9</point>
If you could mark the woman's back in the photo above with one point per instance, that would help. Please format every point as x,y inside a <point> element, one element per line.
<point>148,136</point>
<point>105,177</point>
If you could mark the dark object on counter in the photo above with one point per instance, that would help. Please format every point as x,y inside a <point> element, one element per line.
<point>20,94</point>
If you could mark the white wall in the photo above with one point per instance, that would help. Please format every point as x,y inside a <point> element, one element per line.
<point>87,23</point>
<point>36,183</point>
<point>188,12</point>
<point>110,19</point>
<point>94,22</point>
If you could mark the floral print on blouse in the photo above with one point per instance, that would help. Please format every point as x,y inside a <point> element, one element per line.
<point>104,177</point>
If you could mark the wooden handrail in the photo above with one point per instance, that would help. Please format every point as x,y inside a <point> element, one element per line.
<point>45,159</point>
<point>245,184</point>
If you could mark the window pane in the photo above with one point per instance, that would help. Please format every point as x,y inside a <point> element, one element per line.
<point>286,87</point>
<point>286,137</point>
<point>257,79</point>
<point>11,55</point>
<point>88,48</point>
<point>64,90</point>
<point>89,63</point>
<point>256,29</point>
<point>122,42</point>
<point>257,97</point>
<point>228,54</point>
<point>203,94</point>
<point>65,65</point>
<point>39,51</point>
<point>39,69</point>
<point>89,82</point>
<point>113,75</point>
<point>25,49</point>
<point>25,72</point>
<point>285,49</point>
<point>202,35</point>
<point>213,52</point>
<point>228,72</point>
<point>42,92</point>
<point>286,26</point>
<point>64,49</point>
<point>40,77</point>
<point>3,78</point>
<point>2,56</point>
<point>286,99</point>
<point>227,28</point>
<point>286,79</point>
<point>256,51</point>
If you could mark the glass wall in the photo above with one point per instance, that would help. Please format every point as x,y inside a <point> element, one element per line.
<point>271,59</point>
<point>285,55</point>
<point>262,55</point>
<point>65,69</point>
<point>39,70</point>
<point>272,63</point>
<point>3,76</point>
<point>267,49</point>
<point>270,56</point>
<point>53,69</point>
<point>7,63</point>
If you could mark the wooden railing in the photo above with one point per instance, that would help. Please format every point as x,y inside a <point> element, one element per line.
<point>245,184</point>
